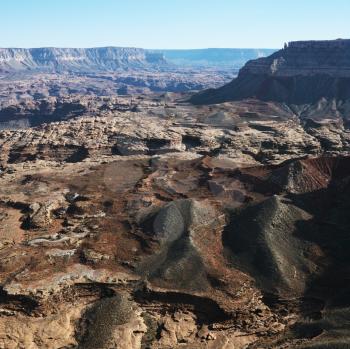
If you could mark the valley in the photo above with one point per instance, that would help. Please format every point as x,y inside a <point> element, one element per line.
<point>137,211</point>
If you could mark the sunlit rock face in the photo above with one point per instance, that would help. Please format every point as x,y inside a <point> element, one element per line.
<point>78,59</point>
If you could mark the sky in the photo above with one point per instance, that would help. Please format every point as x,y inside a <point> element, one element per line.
<point>168,24</point>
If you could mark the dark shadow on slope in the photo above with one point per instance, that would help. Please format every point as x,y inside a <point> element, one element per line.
<point>78,155</point>
<point>308,233</point>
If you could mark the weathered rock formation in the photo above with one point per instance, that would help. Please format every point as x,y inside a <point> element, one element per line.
<point>160,258</point>
<point>303,72</point>
<point>102,130</point>
<point>78,59</point>
<point>112,58</point>
<point>149,223</point>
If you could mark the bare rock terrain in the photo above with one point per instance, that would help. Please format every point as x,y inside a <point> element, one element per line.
<point>144,221</point>
<point>303,74</point>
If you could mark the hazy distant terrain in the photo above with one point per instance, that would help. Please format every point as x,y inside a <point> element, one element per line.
<point>32,74</point>
<point>233,58</point>
<point>109,59</point>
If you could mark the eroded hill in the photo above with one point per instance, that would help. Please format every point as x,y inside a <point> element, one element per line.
<point>173,227</point>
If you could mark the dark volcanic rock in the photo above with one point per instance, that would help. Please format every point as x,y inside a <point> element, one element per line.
<point>169,223</point>
<point>178,262</point>
<point>264,240</point>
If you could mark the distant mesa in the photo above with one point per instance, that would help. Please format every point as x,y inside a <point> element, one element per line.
<point>222,58</point>
<point>107,59</point>
<point>51,59</point>
<point>301,73</point>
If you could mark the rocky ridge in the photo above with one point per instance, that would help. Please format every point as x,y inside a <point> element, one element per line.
<point>302,73</point>
<point>93,137</point>
<point>116,58</point>
<point>94,128</point>
<point>78,59</point>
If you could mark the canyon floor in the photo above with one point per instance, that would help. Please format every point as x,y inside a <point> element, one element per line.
<point>147,222</point>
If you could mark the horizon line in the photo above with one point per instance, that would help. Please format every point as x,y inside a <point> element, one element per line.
<point>139,47</point>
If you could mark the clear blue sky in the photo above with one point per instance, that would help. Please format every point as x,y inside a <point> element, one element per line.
<point>170,23</point>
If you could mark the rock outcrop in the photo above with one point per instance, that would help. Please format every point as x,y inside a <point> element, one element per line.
<point>103,130</point>
<point>150,223</point>
<point>164,260</point>
<point>303,72</point>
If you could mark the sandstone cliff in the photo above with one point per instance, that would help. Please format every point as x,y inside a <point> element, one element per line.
<point>78,59</point>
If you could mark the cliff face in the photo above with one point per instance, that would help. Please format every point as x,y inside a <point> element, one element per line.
<point>305,58</point>
<point>303,72</point>
<point>111,58</point>
<point>78,59</point>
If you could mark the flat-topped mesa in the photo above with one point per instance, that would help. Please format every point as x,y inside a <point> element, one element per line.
<point>320,44</point>
<point>329,57</point>
<point>78,59</point>
<point>303,72</point>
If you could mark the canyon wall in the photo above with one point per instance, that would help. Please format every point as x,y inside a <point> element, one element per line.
<point>301,73</point>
